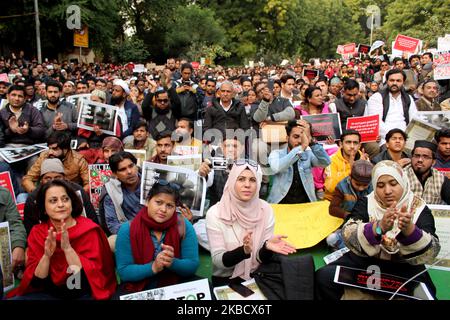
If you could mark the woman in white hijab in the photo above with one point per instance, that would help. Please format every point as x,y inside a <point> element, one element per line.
<point>240,227</point>
<point>391,228</point>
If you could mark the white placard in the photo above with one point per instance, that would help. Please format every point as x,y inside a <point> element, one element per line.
<point>93,113</point>
<point>441,214</point>
<point>6,257</point>
<point>194,290</point>
<point>12,155</point>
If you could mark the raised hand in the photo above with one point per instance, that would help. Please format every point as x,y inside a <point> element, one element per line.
<point>248,242</point>
<point>186,212</point>
<point>387,222</point>
<point>13,124</point>
<point>65,243</point>
<point>405,223</point>
<point>168,255</point>
<point>50,243</point>
<point>278,245</point>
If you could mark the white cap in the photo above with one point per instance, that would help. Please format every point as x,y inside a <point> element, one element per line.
<point>123,84</point>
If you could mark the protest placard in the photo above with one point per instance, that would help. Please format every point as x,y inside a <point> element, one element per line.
<point>441,214</point>
<point>440,119</point>
<point>227,293</point>
<point>349,48</point>
<point>443,43</point>
<point>99,174</point>
<point>442,61</point>
<point>406,44</point>
<point>389,284</point>
<point>77,98</point>
<point>192,161</point>
<point>368,127</point>
<point>418,129</point>
<point>193,290</point>
<point>363,48</point>
<point>6,257</point>
<point>186,150</point>
<point>4,77</point>
<point>139,68</point>
<point>94,113</point>
<point>21,209</point>
<point>310,73</point>
<point>192,186</point>
<point>6,182</point>
<point>141,156</point>
<point>305,224</point>
<point>12,155</point>
<point>324,125</point>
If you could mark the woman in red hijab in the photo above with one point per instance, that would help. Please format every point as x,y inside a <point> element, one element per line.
<point>68,256</point>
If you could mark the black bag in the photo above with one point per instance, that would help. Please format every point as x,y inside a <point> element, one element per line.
<point>286,277</point>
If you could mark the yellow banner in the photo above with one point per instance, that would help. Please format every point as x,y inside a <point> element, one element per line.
<point>305,224</point>
<point>81,38</point>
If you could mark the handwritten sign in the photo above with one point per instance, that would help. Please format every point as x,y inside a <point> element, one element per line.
<point>442,60</point>
<point>368,127</point>
<point>305,224</point>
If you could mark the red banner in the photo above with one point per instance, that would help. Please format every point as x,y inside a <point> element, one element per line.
<point>406,44</point>
<point>368,127</point>
<point>21,208</point>
<point>5,181</point>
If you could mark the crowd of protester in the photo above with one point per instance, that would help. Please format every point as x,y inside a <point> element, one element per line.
<point>369,185</point>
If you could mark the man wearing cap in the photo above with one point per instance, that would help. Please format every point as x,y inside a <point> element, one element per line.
<point>58,115</point>
<point>68,89</point>
<point>75,166</point>
<point>347,192</point>
<point>425,181</point>
<point>128,112</point>
<point>51,169</point>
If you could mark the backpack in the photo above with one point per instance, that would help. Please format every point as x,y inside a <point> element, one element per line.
<point>286,277</point>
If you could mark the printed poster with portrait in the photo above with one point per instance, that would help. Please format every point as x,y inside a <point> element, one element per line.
<point>99,174</point>
<point>6,257</point>
<point>192,186</point>
<point>325,125</point>
<point>98,114</point>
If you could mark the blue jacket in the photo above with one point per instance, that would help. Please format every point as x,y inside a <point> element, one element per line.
<point>281,162</point>
<point>350,195</point>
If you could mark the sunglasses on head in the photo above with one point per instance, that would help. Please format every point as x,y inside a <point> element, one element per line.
<point>240,162</point>
<point>163,182</point>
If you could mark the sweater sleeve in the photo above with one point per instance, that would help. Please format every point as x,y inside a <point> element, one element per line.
<point>287,114</point>
<point>17,230</point>
<point>335,209</point>
<point>127,269</point>
<point>32,177</point>
<point>112,222</point>
<point>188,263</point>
<point>262,112</point>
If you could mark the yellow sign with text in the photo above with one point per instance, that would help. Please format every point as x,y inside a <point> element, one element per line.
<point>305,224</point>
<point>81,38</point>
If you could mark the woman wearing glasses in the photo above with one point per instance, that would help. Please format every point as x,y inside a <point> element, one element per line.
<point>240,227</point>
<point>158,247</point>
<point>391,229</point>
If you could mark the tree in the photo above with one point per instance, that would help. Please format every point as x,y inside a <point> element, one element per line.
<point>193,30</point>
<point>131,49</point>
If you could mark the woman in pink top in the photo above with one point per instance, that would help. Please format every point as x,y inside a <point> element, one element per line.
<point>314,105</point>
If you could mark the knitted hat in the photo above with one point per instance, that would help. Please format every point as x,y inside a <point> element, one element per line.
<point>361,171</point>
<point>100,94</point>
<point>52,165</point>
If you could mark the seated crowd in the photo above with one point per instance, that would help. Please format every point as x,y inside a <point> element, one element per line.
<point>380,189</point>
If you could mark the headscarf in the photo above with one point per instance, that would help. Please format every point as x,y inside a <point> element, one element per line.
<point>113,143</point>
<point>375,207</point>
<point>251,215</point>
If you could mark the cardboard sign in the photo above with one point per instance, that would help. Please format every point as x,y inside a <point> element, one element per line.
<point>363,48</point>
<point>99,174</point>
<point>194,290</point>
<point>324,125</point>
<point>349,48</point>
<point>442,60</point>
<point>406,44</point>
<point>310,73</point>
<point>6,182</point>
<point>368,127</point>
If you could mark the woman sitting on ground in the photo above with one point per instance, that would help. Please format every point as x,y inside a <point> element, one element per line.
<point>240,227</point>
<point>390,228</point>
<point>158,247</point>
<point>68,256</point>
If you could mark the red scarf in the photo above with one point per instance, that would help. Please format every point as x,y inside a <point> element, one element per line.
<point>143,249</point>
<point>91,245</point>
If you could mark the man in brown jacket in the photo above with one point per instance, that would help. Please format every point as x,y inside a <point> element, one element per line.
<point>75,166</point>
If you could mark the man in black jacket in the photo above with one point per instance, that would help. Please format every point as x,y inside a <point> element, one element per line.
<point>226,113</point>
<point>190,95</point>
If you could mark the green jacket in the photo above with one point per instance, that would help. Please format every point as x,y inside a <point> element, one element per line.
<point>9,213</point>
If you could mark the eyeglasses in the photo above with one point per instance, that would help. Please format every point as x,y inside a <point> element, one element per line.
<point>423,156</point>
<point>240,162</point>
<point>163,182</point>
<point>162,100</point>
